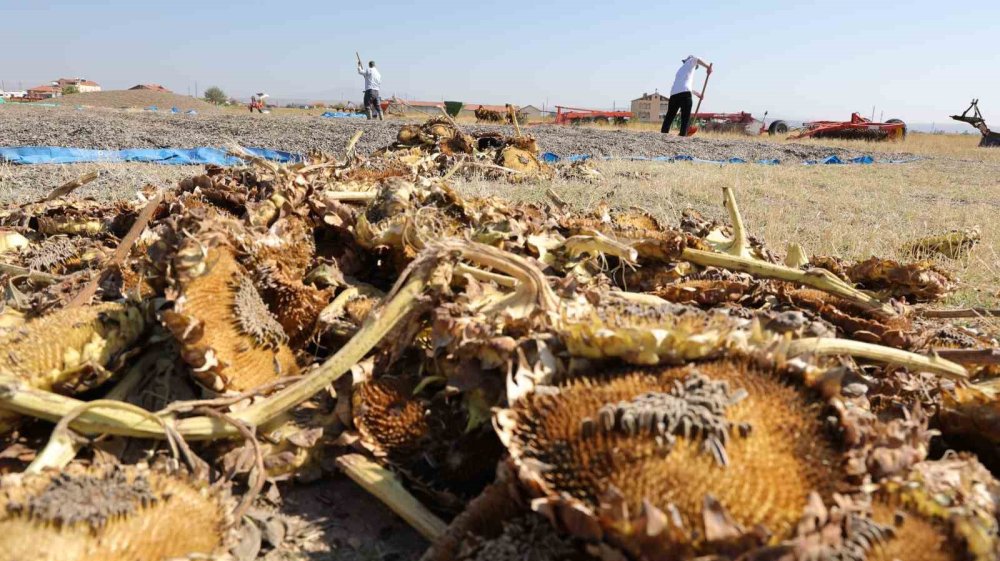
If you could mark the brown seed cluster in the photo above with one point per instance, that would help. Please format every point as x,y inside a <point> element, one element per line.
<point>694,408</point>
<point>253,317</point>
<point>89,499</point>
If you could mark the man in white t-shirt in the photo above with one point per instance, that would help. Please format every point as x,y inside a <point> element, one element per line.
<point>681,92</point>
<point>373,80</point>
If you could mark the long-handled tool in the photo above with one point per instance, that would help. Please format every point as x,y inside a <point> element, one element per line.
<point>693,129</point>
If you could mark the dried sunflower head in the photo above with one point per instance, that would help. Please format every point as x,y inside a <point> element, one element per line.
<point>676,462</point>
<point>953,244</point>
<point>71,350</point>
<point>427,439</point>
<point>60,254</point>
<point>704,293</point>
<point>522,161</point>
<point>943,510</point>
<point>921,281</point>
<point>296,305</point>
<point>852,320</point>
<point>228,335</point>
<point>289,242</point>
<point>645,332</point>
<point>110,513</point>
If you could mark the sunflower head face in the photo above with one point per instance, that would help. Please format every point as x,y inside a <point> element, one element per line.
<point>113,513</point>
<point>668,463</point>
<point>72,349</point>
<point>88,499</point>
<point>389,419</point>
<point>227,334</point>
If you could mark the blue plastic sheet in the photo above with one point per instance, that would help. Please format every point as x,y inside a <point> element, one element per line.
<point>27,155</point>
<point>342,115</point>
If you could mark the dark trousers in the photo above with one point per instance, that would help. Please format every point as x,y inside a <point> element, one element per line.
<point>373,105</point>
<point>681,101</point>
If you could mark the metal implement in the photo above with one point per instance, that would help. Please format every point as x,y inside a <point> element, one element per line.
<point>858,128</point>
<point>693,129</point>
<point>741,122</point>
<point>990,138</point>
<point>576,116</point>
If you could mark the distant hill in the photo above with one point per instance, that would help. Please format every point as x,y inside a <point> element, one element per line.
<point>139,99</point>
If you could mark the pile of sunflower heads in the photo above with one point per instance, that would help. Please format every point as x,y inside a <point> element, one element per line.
<point>442,142</point>
<point>526,380</point>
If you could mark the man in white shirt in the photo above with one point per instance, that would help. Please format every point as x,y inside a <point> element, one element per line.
<point>680,94</point>
<point>373,105</point>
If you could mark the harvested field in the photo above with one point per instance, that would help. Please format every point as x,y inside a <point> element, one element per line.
<point>20,126</point>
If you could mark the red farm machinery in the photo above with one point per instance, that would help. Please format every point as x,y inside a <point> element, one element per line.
<point>858,128</point>
<point>577,116</point>
<point>741,122</point>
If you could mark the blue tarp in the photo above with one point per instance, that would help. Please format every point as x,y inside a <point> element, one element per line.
<point>551,158</point>
<point>175,156</point>
<point>342,115</point>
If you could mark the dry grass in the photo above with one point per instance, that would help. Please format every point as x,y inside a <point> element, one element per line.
<point>848,211</point>
<point>961,146</point>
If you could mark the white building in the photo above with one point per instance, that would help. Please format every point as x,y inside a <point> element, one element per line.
<point>82,85</point>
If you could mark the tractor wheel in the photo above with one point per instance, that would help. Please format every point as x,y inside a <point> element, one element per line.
<point>777,127</point>
<point>899,121</point>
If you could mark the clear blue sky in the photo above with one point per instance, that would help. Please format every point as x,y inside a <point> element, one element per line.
<point>919,60</point>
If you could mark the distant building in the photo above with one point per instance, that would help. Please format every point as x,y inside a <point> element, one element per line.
<point>82,85</point>
<point>650,108</point>
<point>13,94</point>
<point>150,87</point>
<point>44,92</point>
<point>530,111</point>
<point>425,107</point>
